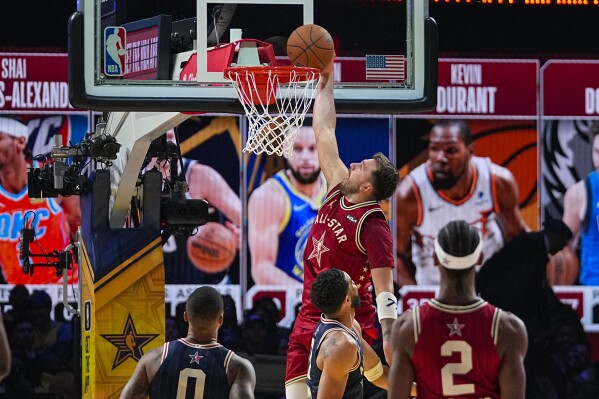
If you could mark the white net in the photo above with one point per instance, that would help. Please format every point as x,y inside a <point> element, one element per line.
<point>275,100</point>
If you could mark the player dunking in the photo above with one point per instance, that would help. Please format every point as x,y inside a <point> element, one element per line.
<point>350,232</point>
<point>457,345</point>
<point>216,372</point>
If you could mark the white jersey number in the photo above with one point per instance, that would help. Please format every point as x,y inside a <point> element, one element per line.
<point>184,377</point>
<point>461,368</point>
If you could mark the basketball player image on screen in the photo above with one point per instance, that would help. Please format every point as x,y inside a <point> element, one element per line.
<point>452,184</point>
<point>204,257</point>
<point>55,218</point>
<point>458,345</point>
<point>172,370</point>
<point>350,233</point>
<point>281,212</point>
<point>581,215</point>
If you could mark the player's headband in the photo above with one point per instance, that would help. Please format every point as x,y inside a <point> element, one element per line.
<point>458,262</point>
<point>13,128</point>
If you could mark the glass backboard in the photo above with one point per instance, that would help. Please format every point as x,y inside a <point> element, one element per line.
<point>134,55</point>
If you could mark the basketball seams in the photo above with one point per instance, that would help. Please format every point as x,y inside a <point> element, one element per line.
<point>216,243</point>
<point>304,47</point>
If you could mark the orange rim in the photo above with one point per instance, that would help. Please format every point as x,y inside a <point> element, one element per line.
<point>262,72</point>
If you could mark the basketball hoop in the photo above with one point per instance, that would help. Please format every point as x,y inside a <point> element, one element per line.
<point>276,100</point>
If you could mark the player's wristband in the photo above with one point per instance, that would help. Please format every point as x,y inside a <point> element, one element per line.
<point>374,373</point>
<point>386,305</point>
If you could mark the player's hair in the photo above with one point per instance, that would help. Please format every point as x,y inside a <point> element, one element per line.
<point>205,304</point>
<point>458,238</point>
<point>462,126</point>
<point>385,179</point>
<point>329,290</point>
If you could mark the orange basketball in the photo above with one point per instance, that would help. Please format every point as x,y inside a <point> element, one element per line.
<point>563,268</point>
<point>311,46</point>
<point>213,248</point>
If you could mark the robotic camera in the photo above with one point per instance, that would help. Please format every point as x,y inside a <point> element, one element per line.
<point>178,215</point>
<point>63,175</point>
<point>60,260</point>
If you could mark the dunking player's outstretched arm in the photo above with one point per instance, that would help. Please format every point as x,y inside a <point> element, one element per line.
<point>266,210</point>
<point>138,386</point>
<point>242,378</point>
<point>402,374</point>
<point>512,343</point>
<point>324,124</point>
<point>374,371</point>
<point>507,198</point>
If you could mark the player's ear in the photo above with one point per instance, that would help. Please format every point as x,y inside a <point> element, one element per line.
<point>470,149</point>
<point>367,188</point>
<point>221,319</point>
<point>185,317</point>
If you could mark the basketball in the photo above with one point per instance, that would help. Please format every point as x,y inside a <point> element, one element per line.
<point>213,248</point>
<point>311,46</point>
<point>563,268</point>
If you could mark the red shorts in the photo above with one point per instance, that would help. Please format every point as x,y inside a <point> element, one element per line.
<point>298,351</point>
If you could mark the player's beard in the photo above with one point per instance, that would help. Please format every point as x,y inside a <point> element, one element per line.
<point>347,188</point>
<point>309,179</point>
<point>449,180</point>
<point>444,183</point>
<point>356,302</point>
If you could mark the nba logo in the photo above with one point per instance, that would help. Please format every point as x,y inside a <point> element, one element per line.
<point>115,52</point>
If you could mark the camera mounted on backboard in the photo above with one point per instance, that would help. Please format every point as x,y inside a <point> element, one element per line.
<point>63,176</point>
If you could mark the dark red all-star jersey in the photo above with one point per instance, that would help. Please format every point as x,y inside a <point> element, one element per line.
<point>339,239</point>
<point>455,355</point>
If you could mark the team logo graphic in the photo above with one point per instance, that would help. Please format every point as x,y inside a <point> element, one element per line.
<point>195,358</point>
<point>115,51</point>
<point>129,343</point>
<point>455,328</point>
<point>319,248</point>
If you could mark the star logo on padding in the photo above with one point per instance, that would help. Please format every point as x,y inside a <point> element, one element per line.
<point>129,344</point>
<point>195,358</point>
<point>319,248</point>
<point>455,328</point>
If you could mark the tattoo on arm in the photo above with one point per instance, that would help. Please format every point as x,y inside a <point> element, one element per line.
<point>329,347</point>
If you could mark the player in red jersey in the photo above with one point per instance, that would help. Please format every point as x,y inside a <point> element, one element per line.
<point>457,345</point>
<point>55,217</point>
<point>350,232</point>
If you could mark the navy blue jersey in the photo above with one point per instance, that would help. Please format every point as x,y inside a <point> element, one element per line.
<point>353,387</point>
<point>190,371</point>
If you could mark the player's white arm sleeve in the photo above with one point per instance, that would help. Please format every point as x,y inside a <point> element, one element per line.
<point>386,305</point>
<point>374,373</point>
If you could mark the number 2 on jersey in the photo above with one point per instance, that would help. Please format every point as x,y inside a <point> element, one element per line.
<point>450,369</point>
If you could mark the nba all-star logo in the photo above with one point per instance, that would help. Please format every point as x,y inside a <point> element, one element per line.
<point>318,249</point>
<point>129,343</point>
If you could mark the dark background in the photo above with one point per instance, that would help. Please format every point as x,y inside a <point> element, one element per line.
<point>475,29</point>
